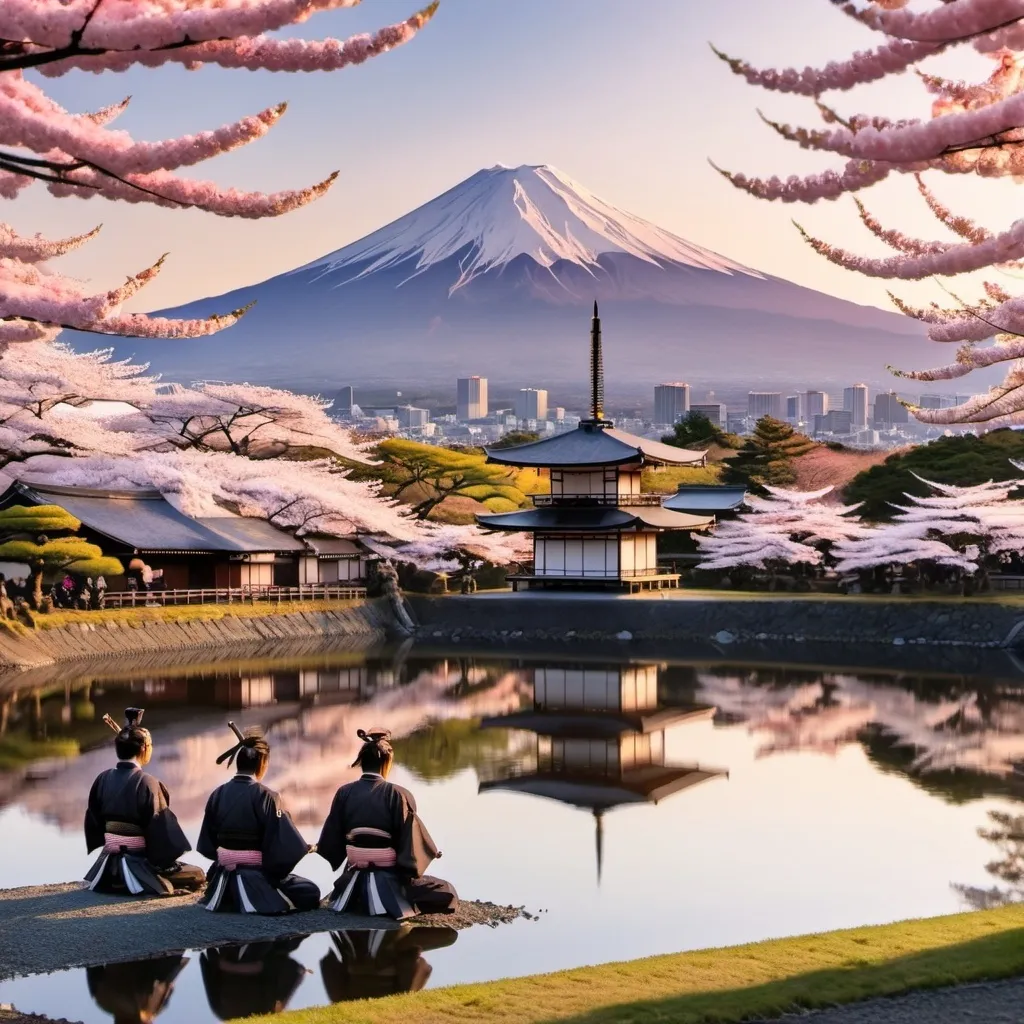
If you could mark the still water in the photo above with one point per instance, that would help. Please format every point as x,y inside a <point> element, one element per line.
<point>644,807</point>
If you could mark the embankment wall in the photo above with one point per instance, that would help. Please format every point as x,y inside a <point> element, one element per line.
<point>370,620</point>
<point>850,620</point>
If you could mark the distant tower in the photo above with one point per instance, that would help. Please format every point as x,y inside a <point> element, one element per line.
<point>345,400</point>
<point>596,369</point>
<point>671,403</point>
<point>471,398</point>
<point>855,401</point>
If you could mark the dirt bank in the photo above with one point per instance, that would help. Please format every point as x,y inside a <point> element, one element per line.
<point>52,927</point>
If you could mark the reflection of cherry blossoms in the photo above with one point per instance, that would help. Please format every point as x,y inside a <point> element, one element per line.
<point>312,746</point>
<point>973,128</point>
<point>942,734</point>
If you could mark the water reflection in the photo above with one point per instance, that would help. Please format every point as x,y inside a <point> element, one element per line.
<point>868,796</point>
<point>599,742</point>
<point>371,964</point>
<point>135,992</point>
<point>255,978</point>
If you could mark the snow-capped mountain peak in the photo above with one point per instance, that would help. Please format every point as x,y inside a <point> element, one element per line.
<point>501,213</point>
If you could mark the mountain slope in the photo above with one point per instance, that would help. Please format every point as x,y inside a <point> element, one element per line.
<point>494,277</point>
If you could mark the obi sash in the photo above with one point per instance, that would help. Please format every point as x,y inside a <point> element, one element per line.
<point>123,837</point>
<point>239,849</point>
<point>231,859</point>
<point>370,848</point>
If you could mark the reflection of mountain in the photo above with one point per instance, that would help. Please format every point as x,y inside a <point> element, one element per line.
<point>311,720</point>
<point>371,964</point>
<point>961,740</point>
<point>600,742</point>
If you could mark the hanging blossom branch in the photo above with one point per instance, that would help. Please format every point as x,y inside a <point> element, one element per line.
<point>80,155</point>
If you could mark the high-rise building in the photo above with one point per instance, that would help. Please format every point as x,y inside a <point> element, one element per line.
<point>532,404</point>
<point>855,402</point>
<point>889,411</point>
<point>942,401</point>
<point>346,398</point>
<point>410,417</point>
<point>793,409</point>
<point>671,403</point>
<point>765,403</point>
<point>714,411</point>
<point>471,398</point>
<point>835,421</point>
<point>815,404</point>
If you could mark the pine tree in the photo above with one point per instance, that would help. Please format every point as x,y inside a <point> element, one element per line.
<point>767,455</point>
<point>25,541</point>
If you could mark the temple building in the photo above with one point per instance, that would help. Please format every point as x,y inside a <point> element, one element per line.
<point>595,527</point>
<point>600,742</point>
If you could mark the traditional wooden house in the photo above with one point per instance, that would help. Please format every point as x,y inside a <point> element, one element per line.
<point>600,741</point>
<point>595,527</point>
<point>225,551</point>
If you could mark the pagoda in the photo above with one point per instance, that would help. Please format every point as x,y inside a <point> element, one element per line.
<point>595,528</point>
<point>600,742</point>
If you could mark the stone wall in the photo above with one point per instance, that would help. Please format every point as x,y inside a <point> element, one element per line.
<point>370,620</point>
<point>723,620</point>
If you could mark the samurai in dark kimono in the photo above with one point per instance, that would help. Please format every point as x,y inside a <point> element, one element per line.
<point>256,978</point>
<point>252,840</point>
<point>374,831</point>
<point>130,818</point>
<point>137,991</point>
<point>373,964</point>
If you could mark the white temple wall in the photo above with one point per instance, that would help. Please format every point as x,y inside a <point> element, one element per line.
<point>579,555</point>
<point>639,553</point>
<point>582,483</point>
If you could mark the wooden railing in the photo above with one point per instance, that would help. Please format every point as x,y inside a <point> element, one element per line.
<point>614,500</point>
<point>234,595</point>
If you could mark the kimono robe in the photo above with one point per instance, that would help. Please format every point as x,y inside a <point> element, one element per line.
<point>254,846</point>
<point>129,816</point>
<point>372,964</point>
<point>137,990</point>
<point>373,829</point>
<point>255,978</point>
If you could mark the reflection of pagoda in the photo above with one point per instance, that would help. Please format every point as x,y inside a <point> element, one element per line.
<point>600,741</point>
<point>595,527</point>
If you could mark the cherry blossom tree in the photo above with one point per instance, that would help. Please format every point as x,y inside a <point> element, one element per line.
<point>787,528</point>
<point>974,128</point>
<point>80,155</point>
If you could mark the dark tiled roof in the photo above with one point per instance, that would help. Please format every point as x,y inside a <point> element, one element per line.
<point>592,445</point>
<point>597,519</point>
<point>145,520</point>
<point>708,500</point>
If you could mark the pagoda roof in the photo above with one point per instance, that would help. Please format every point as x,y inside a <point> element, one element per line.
<point>601,792</point>
<point>594,519</point>
<point>697,499</point>
<point>593,444</point>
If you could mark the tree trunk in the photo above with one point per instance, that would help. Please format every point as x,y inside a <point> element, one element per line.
<point>37,588</point>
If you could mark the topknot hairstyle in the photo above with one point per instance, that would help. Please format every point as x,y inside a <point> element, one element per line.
<point>249,754</point>
<point>131,738</point>
<point>376,752</point>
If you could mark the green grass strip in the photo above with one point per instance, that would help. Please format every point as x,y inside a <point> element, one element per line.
<point>186,612</point>
<point>764,979</point>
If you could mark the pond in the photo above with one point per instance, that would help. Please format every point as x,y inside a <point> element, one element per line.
<point>641,807</point>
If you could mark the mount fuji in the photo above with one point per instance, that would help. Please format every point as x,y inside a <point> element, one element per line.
<point>496,277</point>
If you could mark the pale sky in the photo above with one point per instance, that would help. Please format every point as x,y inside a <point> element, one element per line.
<point>625,97</point>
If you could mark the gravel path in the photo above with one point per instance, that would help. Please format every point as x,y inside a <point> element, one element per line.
<point>1000,1002</point>
<point>52,927</point>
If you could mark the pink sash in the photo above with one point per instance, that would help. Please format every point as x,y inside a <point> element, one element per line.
<point>231,859</point>
<point>114,843</point>
<point>366,857</point>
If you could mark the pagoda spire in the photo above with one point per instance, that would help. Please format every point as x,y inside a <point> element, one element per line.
<point>596,369</point>
<point>599,838</point>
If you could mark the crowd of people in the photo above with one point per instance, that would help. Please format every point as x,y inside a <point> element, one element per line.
<point>372,833</point>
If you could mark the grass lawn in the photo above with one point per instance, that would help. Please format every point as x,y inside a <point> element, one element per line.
<point>184,612</point>
<point>721,985</point>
